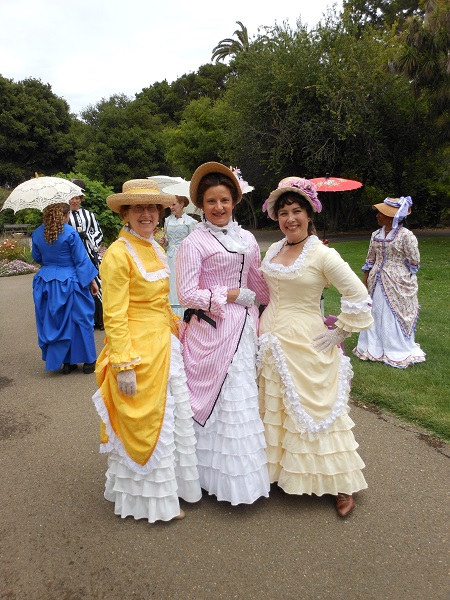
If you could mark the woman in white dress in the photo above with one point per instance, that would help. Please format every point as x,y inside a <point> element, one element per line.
<point>218,281</point>
<point>177,226</point>
<point>304,386</point>
<point>390,271</point>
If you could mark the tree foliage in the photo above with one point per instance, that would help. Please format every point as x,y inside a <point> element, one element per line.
<point>229,47</point>
<point>123,141</point>
<point>35,131</point>
<point>363,95</point>
<point>424,57</point>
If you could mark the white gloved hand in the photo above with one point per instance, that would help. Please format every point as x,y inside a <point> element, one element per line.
<point>329,338</point>
<point>126,382</point>
<point>246,297</point>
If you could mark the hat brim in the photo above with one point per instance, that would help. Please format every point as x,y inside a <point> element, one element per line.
<point>206,169</point>
<point>273,197</point>
<point>385,209</point>
<point>115,201</point>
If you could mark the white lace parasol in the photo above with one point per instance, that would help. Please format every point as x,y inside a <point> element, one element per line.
<point>41,192</point>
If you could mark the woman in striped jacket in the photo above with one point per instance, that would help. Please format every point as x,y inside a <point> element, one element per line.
<point>218,281</point>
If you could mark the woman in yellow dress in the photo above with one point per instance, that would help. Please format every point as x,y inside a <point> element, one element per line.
<point>143,400</point>
<point>304,375</point>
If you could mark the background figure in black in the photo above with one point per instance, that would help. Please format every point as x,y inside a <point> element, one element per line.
<point>85,222</point>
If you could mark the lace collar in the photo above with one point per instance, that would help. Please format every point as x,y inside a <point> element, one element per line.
<point>147,275</point>
<point>229,236</point>
<point>291,270</point>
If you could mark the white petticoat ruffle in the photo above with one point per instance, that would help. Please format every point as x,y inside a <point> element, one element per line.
<point>152,491</point>
<point>270,351</point>
<point>231,447</point>
<point>385,342</point>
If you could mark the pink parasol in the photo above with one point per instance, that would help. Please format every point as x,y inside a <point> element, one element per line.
<point>335,184</point>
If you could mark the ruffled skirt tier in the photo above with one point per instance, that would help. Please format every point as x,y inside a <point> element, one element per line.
<point>154,495</point>
<point>385,342</point>
<point>325,464</point>
<point>230,447</point>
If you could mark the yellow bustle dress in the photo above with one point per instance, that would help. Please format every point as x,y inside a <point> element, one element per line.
<point>144,433</point>
<point>303,392</point>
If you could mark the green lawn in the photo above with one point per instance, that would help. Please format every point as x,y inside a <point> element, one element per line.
<point>421,393</point>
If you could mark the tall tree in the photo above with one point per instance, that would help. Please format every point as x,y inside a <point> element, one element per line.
<point>229,47</point>
<point>35,131</point>
<point>424,57</point>
<point>124,141</point>
<point>379,14</point>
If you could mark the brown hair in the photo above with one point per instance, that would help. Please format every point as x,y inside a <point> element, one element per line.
<point>182,200</point>
<point>212,180</point>
<point>54,221</point>
<point>289,198</point>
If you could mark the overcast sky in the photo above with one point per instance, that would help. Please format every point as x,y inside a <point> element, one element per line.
<point>90,49</point>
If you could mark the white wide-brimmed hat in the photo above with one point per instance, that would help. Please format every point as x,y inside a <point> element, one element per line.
<point>139,191</point>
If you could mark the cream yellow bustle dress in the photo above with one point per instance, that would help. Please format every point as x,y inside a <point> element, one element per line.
<point>304,393</point>
<point>149,437</point>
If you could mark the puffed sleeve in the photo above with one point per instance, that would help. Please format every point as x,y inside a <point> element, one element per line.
<point>356,304</point>
<point>190,295</point>
<point>115,272</point>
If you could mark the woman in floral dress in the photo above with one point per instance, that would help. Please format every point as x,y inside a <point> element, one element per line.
<point>390,272</point>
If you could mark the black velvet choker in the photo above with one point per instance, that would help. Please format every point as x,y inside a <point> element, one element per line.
<point>295,243</point>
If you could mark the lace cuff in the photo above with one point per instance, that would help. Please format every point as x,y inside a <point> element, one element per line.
<point>246,297</point>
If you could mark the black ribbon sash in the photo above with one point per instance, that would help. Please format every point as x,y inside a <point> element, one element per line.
<point>190,312</point>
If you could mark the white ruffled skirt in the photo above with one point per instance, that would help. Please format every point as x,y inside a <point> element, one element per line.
<point>230,447</point>
<point>385,341</point>
<point>152,492</point>
<point>324,463</point>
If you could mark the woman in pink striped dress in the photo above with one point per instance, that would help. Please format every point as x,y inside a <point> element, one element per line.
<point>218,281</point>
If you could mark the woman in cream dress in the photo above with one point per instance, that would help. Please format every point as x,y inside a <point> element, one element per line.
<point>304,376</point>
<point>143,400</point>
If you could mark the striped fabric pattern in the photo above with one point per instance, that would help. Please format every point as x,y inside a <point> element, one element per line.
<point>205,271</point>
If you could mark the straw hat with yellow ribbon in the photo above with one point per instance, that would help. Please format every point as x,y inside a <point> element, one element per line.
<point>139,191</point>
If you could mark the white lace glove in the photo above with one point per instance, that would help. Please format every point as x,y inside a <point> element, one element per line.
<point>329,338</point>
<point>126,382</point>
<point>246,297</point>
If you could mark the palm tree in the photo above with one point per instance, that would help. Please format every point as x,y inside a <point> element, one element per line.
<point>424,59</point>
<point>231,47</point>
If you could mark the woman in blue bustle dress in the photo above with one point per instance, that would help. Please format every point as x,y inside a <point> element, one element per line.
<point>63,294</point>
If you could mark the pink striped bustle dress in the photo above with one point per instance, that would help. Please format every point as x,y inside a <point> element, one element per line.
<point>220,360</point>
